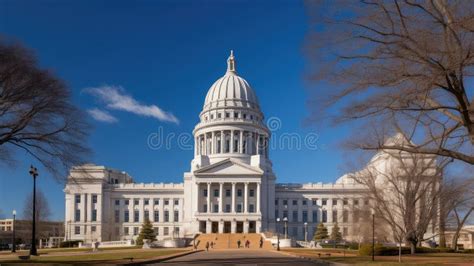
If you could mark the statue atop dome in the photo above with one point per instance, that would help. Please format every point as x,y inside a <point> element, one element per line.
<point>231,63</point>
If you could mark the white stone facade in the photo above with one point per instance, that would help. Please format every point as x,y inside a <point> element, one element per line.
<point>230,187</point>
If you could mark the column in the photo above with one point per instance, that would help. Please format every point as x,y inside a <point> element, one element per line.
<point>221,185</point>
<point>197,198</point>
<point>196,144</point>
<point>232,141</point>
<point>213,142</point>
<point>83,209</point>
<point>99,207</point>
<point>233,197</point>
<point>241,142</point>
<point>208,197</point>
<point>258,197</point>
<point>222,141</point>
<point>205,143</point>
<point>258,144</point>
<point>246,200</point>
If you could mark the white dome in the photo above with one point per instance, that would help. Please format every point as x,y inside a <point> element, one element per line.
<point>231,91</point>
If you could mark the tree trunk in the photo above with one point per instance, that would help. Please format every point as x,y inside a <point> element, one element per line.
<point>413,247</point>
<point>400,252</point>
<point>455,239</point>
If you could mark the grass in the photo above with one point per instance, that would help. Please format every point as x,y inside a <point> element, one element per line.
<point>113,255</point>
<point>351,257</point>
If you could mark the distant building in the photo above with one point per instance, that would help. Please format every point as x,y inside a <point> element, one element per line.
<point>465,240</point>
<point>45,231</point>
<point>230,188</point>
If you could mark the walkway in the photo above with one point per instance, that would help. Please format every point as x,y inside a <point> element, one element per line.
<point>240,256</point>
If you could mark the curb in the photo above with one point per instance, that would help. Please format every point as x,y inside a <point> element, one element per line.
<point>323,262</point>
<point>161,259</point>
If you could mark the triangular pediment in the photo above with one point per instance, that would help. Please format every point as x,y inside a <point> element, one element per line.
<point>228,167</point>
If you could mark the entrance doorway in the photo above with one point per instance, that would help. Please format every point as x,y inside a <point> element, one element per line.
<point>215,227</point>
<point>239,227</point>
<point>202,227</point>
<point>252,227</point>
<point>227,227</point>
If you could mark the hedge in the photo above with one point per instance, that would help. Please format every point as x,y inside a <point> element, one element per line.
<point>70,244</point>
<point>366,250</point>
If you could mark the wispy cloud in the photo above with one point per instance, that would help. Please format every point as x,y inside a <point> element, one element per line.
<point>115,98</point>
<point>102,116</point>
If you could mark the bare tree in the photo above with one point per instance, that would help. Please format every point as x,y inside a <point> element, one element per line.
<point>409,62</point>
<point>404,189</point>
<point>43,212</point>
<point>36,113</point>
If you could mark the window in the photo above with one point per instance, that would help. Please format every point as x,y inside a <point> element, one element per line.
<point>167,216</point>
<point>117,202</point>
<point>227,208</point>
<point>295,202</point>
<point>345,202</point>
<point>77,230</point>
<point>285,202</point>
<point>366,202</point>
<point>94,198</point>
<point>126,231</point>
<point>236,115</point>
<point>276,202</point>
<point>251,117</point>
<point>156,231</point>
<point>136,202</point>
<point>239,207</point>
<point>147,215</point>
<point>216,208</point>
<point>305,216</point>
<point>295,216</point>
<point>157,202</point>
<point>126,216</point>
<point>167,202</point>
<point>315,216</point>
<point>176,202</point>
<point>345,216</point>
<point>325,216</point>
<point>294,231</point>
<point>117,216</point>
<point>356,202</point>
<point>136,216</point>
<point>334,202</point>
<point>334,216</point>
<point>135,230</point>
<point>239,192</point>
<point>304,203</point>
<point>252,193</point>
<point>227,115</point>
<point>94,215</point>
<point>126,202</point>
<point>204,193</point>
<point>77,215</point>
<point>251,208</point>
<point>324,202</point>
<point>146,202</point>
<point>276,214</point>
<point>156,216</point>
<point>117,230</point>
<point>245,116</point>
<point>166,231</point>
<point>219,115</point>
<point>315,202</point>
<point>77,198</point>
<point>227,193</point>
<point>212,116</point>
<point>285,214</point>
<point>93,228</point>
<point>204,208</point>
<point>176,232</point>
<point>176,216</point>
<point>345,231</point>
<point>216,193</point>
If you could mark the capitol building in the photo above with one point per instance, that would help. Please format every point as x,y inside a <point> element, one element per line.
<point>229,188</point>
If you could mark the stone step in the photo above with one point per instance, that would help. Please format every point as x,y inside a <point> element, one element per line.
<point>229,241</point>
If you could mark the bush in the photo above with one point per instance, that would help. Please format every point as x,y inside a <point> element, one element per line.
<point>380,250</point>
<point>70,244</point>
<point>469,251</point>
<point>352,245</point>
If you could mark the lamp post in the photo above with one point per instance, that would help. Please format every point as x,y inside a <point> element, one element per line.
<point>278,234</point>
<point>373,235</point>
<point>34,173</point>
<point>286,226</point>
<point>13,232</point>
<point>305,232</point>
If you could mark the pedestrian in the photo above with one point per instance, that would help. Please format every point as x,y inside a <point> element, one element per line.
<point>247,243</point>
<point>212,244</point>
<point>261,242</point>
<point>207,246</point>
<point>238,243</point>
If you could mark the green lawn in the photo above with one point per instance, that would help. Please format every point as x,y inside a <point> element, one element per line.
<point>103,256</point>
<point>351,257</point>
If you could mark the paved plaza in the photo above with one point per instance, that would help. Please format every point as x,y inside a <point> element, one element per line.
<point>240,257</point>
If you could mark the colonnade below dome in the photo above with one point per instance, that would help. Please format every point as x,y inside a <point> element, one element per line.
<point>231,141</point>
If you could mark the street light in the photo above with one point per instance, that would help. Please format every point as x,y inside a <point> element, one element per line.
<point>13,232</point>
<point>278,234</point>
<point>373,235</point>
<point>286,226</point>
<point>305,232</point>
<point>34,173</point>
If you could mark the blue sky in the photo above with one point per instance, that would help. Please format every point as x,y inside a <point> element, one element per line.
<point>167,54</point>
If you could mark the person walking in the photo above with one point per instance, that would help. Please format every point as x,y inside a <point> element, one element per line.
<point>247,243</point>
<point>238,243</point>
<point>261,242</point>
<point>212,244</point>
<point>207,246</point>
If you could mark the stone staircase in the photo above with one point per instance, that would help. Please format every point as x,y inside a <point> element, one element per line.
<point>229,241</point>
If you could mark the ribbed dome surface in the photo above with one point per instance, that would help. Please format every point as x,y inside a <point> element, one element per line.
<point>231,91</point>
